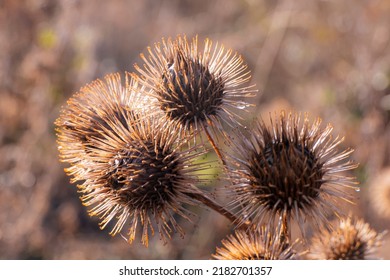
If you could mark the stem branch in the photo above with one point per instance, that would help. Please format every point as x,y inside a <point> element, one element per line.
<point>284,231</point>
<point>209,202</point>
<point>212,142</point>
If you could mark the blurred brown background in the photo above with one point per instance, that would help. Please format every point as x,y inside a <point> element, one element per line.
<point>328,58</point>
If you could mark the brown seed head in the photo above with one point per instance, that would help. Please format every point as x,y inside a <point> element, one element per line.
<point>131,170</point>
<point>379,193</point>
<point>193,87</point>
<point>255,245</point>
<point>289,170</point>
<point>90,113</point>
<point>350,241</point>
<point>141,176</point>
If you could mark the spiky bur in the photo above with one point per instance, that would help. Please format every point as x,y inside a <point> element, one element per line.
<point>379,193</point>
<point>196,88</point>
<point>255,245</point>
<point>291,170</point>
<point>131,171</point>
<point>352,240</point>
<point>139,175</point>
<point>91,112</point>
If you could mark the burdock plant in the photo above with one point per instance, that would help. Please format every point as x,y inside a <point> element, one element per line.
<point>262,244</point>
<point>289,171</point>
<point>140,176</point>
<point>379,193</point>
<point>131,148</point>
<point>196,88</point>
<point>92,112</point>
<point>131,170</point>
<point>350,240</point>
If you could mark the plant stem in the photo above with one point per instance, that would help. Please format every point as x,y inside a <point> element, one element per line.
<point>212,142</point>
<point>284,231</point>
<point>209,202</point>
<point>206,200</point>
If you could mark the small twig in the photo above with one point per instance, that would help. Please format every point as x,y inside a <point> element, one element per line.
<point>284,231</point>
<point>209,202</point>
<point>212,142</point>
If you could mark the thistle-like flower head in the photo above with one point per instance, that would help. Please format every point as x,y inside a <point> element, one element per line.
<point>379,193</point>
<point>90,112</point>
<point>290,170</point>
<point>255,245</point>
<point>142,175</point>
<point>195,88</point>
<point>352,240</point>
<point>132,172</point>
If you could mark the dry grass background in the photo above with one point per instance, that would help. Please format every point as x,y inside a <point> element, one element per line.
<point>328,58</point>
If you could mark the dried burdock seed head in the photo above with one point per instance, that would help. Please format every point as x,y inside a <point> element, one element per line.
<point>352,240</point>
<point>289,171</point>
<point>255,245</point>
<point>91,112</point>
<point>195,88</point>
<point>379,193</point>
<point>131,170</point>
<point>138,175</point>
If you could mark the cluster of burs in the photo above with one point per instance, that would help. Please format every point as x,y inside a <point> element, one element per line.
<point>141,149</point>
